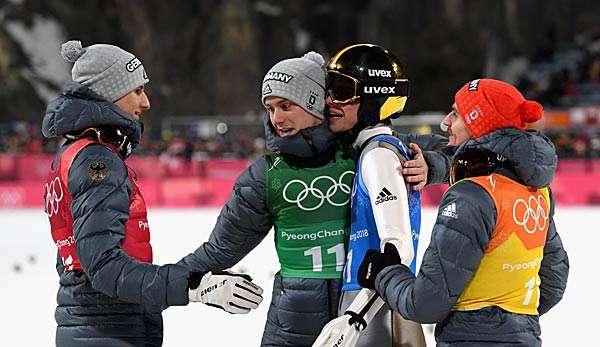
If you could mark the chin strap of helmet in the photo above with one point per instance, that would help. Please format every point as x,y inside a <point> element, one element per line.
<point>368,115</point>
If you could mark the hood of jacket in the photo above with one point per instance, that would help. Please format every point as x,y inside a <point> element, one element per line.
<point>78,108</point>
<point>531,155</point>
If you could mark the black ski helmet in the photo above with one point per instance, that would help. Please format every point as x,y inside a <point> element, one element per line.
<point>372,75</point>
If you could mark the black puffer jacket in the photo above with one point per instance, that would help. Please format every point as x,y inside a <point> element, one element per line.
<point>299,307</point>
<point>116,300</point>
<point>457,247</point>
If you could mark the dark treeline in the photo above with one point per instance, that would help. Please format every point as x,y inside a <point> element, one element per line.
<point>207,57</point>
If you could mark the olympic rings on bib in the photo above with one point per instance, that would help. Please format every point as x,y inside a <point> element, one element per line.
<point>534,213</point>
<point>317,193</point>
<point>54,194</point>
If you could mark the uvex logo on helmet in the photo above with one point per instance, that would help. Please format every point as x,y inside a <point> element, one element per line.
<point>379,73</point>
<point>372,74</point>
<point>379,90</point>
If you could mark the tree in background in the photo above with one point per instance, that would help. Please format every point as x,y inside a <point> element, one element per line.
<point>207,57</point>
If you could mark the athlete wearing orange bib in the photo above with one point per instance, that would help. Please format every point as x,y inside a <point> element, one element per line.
<point>495,261</point>
<point>514,253</point>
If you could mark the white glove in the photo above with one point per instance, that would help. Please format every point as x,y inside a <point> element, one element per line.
<point>345,330</point>
<point>340,332</point>
<point>234,293</point>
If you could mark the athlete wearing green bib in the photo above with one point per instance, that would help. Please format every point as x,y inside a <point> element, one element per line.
<point>302,191</point>
<point>310,208</point>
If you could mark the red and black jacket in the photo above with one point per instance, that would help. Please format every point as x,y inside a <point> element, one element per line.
<point>109,291</point>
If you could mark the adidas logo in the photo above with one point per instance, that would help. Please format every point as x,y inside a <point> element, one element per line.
<point>385,195</point>
<point>450,211</point>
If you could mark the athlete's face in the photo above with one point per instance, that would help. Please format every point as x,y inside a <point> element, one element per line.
<point>288,118</point>
<point>134,103</point>
<point>343,116</point>
<point>457,129</point>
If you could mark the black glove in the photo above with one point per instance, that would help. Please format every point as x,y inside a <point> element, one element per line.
<point>375,261</point>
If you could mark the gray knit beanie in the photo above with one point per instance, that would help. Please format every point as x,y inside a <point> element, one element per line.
<point>299,80</point>
<point>108,70</point>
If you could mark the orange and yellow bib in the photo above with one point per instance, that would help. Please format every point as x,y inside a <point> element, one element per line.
<point>507,276</point>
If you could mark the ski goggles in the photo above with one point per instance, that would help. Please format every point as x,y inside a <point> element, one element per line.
<point>344,89</point>
<point>474,162</point>
<point>107,135</point>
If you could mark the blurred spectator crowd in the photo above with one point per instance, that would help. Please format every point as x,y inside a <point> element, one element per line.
<point>572,143</point>
<point>560,76</point>
<point>25,138</point>
<point>563,75</point>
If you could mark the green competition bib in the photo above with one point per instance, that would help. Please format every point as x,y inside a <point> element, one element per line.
<point>311,208</point>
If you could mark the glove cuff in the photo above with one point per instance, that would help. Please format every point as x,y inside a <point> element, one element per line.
<point>374,262</point>
<point>195,278</point>
<point>357,319</point>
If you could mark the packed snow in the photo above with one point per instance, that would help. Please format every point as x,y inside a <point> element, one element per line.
<point>28,280</point>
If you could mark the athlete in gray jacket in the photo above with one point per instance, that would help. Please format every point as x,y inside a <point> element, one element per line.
<point>301,189</point>
<point>495,261</point>
<point>110,293</point>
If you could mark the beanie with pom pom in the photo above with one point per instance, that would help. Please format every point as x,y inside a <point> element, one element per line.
<point>108,70</point>
<point>487,104</point>
<point>299,80</point>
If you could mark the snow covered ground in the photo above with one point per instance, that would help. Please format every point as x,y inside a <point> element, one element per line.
<point>28,280</point>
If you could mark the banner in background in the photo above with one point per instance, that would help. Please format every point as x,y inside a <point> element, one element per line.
<point>177,183</point>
